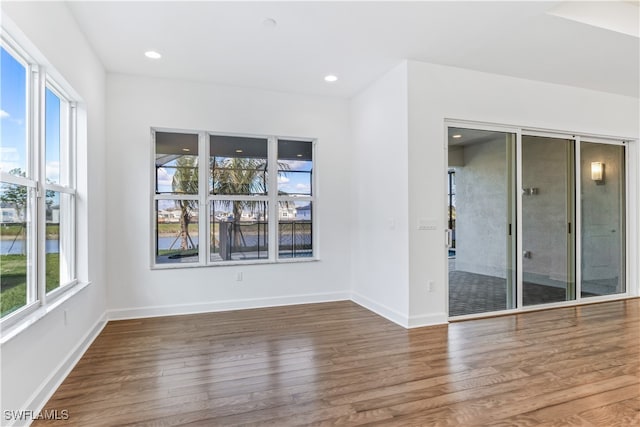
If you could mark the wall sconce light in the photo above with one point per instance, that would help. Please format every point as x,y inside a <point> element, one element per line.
<point>597,171</point>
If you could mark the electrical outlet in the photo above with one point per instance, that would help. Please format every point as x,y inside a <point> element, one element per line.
<point>239,276</point>
<point>430,286</point>
<point>66,317</point>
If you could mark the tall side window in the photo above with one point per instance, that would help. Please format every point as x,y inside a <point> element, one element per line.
<point>295,199</point>
<point>59,190</point>
<point>18,188</point>
<point>176,198</point>
<point>37,188</point>
<point>223,199</point>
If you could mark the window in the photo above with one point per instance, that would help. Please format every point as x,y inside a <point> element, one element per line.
<point>59,191</point>
<point>37,188</point>
<point>295,178</point>
<point>239,199</point>
<point>176,207</point>
<point>252,202</point>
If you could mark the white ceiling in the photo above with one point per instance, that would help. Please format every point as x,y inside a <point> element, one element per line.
<point>227,42</point>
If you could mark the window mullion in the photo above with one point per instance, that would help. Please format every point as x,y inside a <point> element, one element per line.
<point>203,205</point>
<point>272,165</point>
<point>71,151</point>
<point>38,146</point>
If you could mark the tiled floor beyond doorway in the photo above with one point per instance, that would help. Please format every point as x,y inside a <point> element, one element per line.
<point>471,293</point>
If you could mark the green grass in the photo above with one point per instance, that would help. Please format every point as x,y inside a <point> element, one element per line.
<point>170,228</point>
<point>13,278</point>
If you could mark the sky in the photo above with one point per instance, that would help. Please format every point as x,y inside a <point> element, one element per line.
<point>13,145</point>
<point>12,113</point>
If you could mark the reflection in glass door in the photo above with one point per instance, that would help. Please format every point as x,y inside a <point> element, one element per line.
<point>481,220</point>
<point>602,191</point>
<point>548,218</point>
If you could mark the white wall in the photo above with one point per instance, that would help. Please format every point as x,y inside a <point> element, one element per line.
<point>439,92</point>
<point>135,105</point>
<point>380,198</point>
<point>34,361</point>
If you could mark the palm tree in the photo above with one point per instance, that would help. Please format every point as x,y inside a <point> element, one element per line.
<point>239,176</point>
<point>185,181</point>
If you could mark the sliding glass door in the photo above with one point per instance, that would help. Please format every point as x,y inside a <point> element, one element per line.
<point>481,220</point>
<point>533,219</point>
<point>548,220</point>
<point>603,203</point>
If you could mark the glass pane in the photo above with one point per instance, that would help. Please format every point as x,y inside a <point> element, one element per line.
<point>295,167</point>
<point>176,163</point>
<point>59,239</point>
<point>238,165</point>
<point>547,220</point>
<point>295,229</point>
<point>603,219</point>
<point>52,137</point>
<point>13,107</point>
<point>52,244</point>
<point>177,231</point>
<point>481,218</point>
<point>239,230</point>
<point>15,252</point>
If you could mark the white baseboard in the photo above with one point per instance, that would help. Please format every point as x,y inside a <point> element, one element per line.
<point>399,318</point>
<point>174,310</point>
<point>428,320</point>
<point>42,395</point>
<point>380,309</point>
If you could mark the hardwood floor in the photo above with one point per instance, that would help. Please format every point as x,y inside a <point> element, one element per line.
<point>337,363</point>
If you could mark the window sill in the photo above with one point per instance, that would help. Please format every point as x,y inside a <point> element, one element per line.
<point>233,263</point>
<point>25,322</point>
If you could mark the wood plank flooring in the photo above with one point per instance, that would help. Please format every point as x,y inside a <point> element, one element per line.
<point>339,364</point>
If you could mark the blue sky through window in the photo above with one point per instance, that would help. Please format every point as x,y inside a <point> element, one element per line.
<point>295,177</point>
<point>13,123</point>
<point>13,97</point>
<point>52,137</point>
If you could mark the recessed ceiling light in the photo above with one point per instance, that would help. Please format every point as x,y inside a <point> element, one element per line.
<point>238,151</point>
<point>330,78</point>
<point>152,54</point>
<point>456,136</point>
<point>299,155</point>
<point>186,150</point>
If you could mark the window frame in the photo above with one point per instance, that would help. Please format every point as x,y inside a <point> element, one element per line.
<point>66,186</point>
<point>206,198</point>
<point>39,78</point>
<point>311,199</point>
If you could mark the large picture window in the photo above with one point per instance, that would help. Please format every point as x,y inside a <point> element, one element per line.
<point>37,188</point>
<point>252,202</point>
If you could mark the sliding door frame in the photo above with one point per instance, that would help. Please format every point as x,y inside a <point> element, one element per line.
<point>630,206</point>
<point>573,174</point>
<point>626,246</point>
